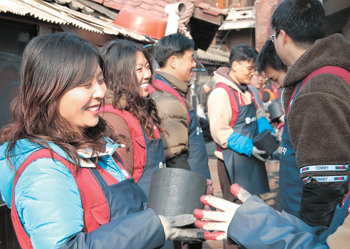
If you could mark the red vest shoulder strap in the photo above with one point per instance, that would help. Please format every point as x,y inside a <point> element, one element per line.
<point>341,72</point>
<point>133,123</point>
<point>130,119</point>
<point>90,192</point>
<point>232,98</point>
<point>22,236</point>
<point>253,98</point>
<point>137,139</point>
<point>165,87</point>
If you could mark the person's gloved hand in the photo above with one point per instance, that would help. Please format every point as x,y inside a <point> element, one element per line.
<point>174,228</point>
<point>217,222</point>
<point>264,124</point>
<point>257,154</point>
<point>281,118</point>
<point>240,144</point>
<point>244,145</point>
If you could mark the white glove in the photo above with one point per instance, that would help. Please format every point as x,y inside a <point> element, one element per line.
<point>218,221</point>
<point>257,154</point>
<point>173,231</point>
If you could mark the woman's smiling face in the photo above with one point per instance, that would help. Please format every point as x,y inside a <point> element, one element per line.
<point>80,105</point>
<point>143,73</point>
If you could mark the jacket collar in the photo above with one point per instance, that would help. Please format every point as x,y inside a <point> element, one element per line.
<point>330,51</point>
<point>179,85</point>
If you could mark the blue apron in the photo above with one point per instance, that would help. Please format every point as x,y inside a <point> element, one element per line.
<point>250,173</point>
<point>123,198</point>
<point>290,184</point>
<point>197,151</point>
<point>155,159</point>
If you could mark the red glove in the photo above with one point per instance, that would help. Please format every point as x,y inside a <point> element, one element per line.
<point>217,222</point>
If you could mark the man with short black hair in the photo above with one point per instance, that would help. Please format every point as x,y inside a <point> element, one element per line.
<point>269,62</point>
<point>316,139</point>
<point>316,98</point>
<point>183,140</point>
<point>235,120</point>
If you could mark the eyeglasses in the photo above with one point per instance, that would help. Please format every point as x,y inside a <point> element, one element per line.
<point>274,36</point>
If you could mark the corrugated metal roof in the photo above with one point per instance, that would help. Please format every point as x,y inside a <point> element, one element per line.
<point>213,54</point>
<point>59,14</point>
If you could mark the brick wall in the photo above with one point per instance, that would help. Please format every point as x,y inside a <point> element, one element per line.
<point>264,10</point>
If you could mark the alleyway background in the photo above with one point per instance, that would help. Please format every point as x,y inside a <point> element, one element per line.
<point>271,198</point>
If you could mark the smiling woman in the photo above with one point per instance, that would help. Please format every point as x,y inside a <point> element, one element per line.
<point>66,186</point>
<point>129,110</point>
<point>57,75</point>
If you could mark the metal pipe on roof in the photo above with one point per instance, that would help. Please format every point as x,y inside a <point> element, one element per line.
<point>174,12</point>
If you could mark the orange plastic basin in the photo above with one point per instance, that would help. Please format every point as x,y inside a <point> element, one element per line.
<point>141,22</point>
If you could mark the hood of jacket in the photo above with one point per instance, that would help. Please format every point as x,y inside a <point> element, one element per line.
<point>333,50</point>
<point>221,75</point>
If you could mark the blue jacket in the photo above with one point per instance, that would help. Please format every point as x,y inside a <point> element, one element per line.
<point>257,225</point>
<point>49,205</point>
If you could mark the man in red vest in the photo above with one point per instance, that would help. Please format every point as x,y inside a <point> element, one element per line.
<point>235,119</point>
<point>183,141</point>
<point>316,141</point>
<point>315,146</point>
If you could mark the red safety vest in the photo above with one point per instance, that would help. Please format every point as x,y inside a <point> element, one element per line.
<point>197,155</point>
<point>137,138</point>
<point>341,72</point>
<point>233,104</point>
<point>90,192</point>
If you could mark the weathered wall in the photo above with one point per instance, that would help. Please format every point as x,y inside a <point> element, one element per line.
<point>263,10</point>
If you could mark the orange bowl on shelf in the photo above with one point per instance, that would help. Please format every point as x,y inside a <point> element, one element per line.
<point>141,22</point>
